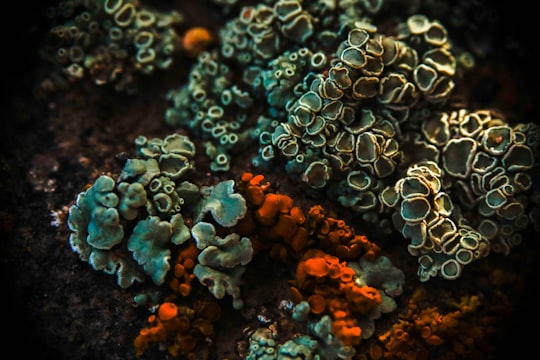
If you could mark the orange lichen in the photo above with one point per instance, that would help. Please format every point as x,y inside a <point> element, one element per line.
<point>316,266</point>
<point>167,311</point>
<point>362,299</point>
<point>183,269</point>
<point>335,236</point>
<point>346,329</point>
<point>180,329</point>
<point>267,211</point>
<point>300,240</point>
<point>317,303</point>
<point>272,221</point>
<point>196,40</point>
<point>327,284</point>
<point>421,329</point>
<point>287,231</point>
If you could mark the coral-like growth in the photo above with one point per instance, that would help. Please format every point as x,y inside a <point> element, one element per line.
<point>357,113</point>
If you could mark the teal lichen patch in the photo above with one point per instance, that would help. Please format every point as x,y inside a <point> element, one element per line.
<point>221,258</point>
<point>227,252</point>
<point>94,220</point>
<point>220,283</point>
<point>139,211</point>
<point>225,206</point>
<point>149,244</point>
<point>108,42</point>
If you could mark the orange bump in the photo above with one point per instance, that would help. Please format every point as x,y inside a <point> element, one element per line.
<point>317,303</point>
<point>246,176</point>
<point>434,340</point>
<point>255,195</point>
<point>189,252</point>
<point>256,180</point>
<point>347,274</point>
<point>196,40</point>
<point>179,270</point>
<point>285,227</point>
<point>334,271</point>
<point>184,289</point>
<point>296,295</point>
<point>189,264</point>
<point>269,208</point>
<point>285,203</point>
<point>300,239</point>
<point>316,266</point>
<point>298,214</point>
<point>167,311</point>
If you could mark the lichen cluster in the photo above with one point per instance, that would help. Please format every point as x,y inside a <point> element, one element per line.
<point>109,42</point>
<point>355,112</point>
<point>131,224</point>
<point>144,209</point>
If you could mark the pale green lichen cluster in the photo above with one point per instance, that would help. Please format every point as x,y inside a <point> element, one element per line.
<point>267,41</point>
<point>129,226</point>
<point>215,107</point>
<point>472,192</point>
<point>221,262</point>
<point>109,42</point>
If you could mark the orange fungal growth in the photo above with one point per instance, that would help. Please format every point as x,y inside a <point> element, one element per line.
<point>184,289</point>
<point>196,40</point>
<point>362,298</point>
<point>183,269</point>
<point>296,295</point>
<point>285,203</point>
<point>316,267</point>
<point>422,328</point>
<point>167,311</point>
<point>246,176</point>
<point>180,329</point>
<point>255,195</point>
<point>317,303</point>
<point>335,236</point>
<point>284,228</point>
<point>346,275</point>
<point>300,240</point>
<point>347,331</point>
<point>268,210</point>
<point>297,214</point>
<point>272,221</point>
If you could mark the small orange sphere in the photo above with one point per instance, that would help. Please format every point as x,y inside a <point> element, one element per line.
<point>196,40</point>
<point>167,311</point>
